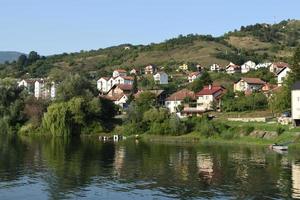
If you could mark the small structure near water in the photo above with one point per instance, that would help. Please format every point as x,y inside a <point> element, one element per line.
<point>114,138</point>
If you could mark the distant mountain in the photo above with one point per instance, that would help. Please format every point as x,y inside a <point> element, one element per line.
<point>9,56</point>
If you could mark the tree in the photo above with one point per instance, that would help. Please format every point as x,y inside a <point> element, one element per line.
<point>33,57</point>
<point>200,82</point>
<point>22,62</point>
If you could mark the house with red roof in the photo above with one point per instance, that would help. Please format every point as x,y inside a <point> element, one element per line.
<point>119,72</point>
<point>245,84</point>
<point>119,94</point>
<point>277,66</point>
<point>232,68</point>
<point>177,98</point>
<point>193,76</point>
<point>208,96</point>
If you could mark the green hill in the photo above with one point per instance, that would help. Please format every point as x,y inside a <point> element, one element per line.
<point>257,42</point>
<point>9,56</point>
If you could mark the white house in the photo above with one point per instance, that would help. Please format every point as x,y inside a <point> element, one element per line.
<point>134,71</point>
<point>208,96</point>
<point>123,80</point>
<point>215,68</point>
<point>53,90</point>
<point>150,69</point>
<point>39,88</point>
<point>176,99</point>
<point>232,68</point>
<point>296,103</point>
<point>28,84</point>
<point>282,75</point>
<point>102,84</point>
<point>248,85</point>
<point>183,67</point>
<point>247,66</point>
<point>119,72</point>
<point>277,66</point>
<point>263,65</point>
<point>193,76</point>
<point>161,78</point>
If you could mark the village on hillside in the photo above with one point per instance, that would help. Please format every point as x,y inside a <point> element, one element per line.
<point>183,100</point>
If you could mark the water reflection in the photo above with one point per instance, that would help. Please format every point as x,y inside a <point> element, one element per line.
<point>66,169</point>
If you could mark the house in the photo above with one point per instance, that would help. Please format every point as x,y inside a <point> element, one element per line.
<point>193,76</point>
<point>183,67</point>
<point>39,88</point>
<point>119,80</point>
<point>208,97</point>
<point>177,98</point>
<point>161,78</point>
<point>277,66</point>
<point>43,89</point>
<point>150,69</point>
<point>268,89</point>
<point>247,66</point>
<point>232,68</point>
<point>102,84</point>
<point>119,72</point>
<point>134,72</point>
<point>263,65</point>
<point>28,84</point>
<point>215,68</point>
<point>119,94</point>
<point>282,75</point>
<point>296,103</point>
<point>248,84</point>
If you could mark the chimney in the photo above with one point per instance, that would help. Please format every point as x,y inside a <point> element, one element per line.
<point>209,86</point>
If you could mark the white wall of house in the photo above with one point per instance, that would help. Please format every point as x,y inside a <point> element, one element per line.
<point>102,85</point>
<point>172,105</point>
<point>296,104</point>
<point>38,89</point>
<point>23,83</point>
<point>122,101</point>
<point>161,78</point>
<point>263,65</point>
<point>243,86</point>
<point>194,77</point>
<point>117,73</point>
<point>247,66</point>
<point>122,80</point>
<point>215,67</point>
<point>205,102</point>
<point>53,90</point>
<point>282,76</point>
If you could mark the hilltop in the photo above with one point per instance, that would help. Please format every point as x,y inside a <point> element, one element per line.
<point>257,42</point>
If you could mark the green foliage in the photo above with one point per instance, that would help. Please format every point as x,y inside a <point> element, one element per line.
<point>78,116</point>
<point>255,101</point>
<point>280,130</point>
<point>200,82</point>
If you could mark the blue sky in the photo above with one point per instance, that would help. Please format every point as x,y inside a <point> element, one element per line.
<point>56,26</point>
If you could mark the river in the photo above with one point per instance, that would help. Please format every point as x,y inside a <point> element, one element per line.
<point>44,168</point>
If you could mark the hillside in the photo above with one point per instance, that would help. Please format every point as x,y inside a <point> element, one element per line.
<point>259,42</point>
<point>9,56</point>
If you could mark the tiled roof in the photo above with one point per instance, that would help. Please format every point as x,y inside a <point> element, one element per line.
<point>253,80</point>
<point>280,64</point>
<point>181,95</point>
<point>121,70</point>
<point>124,87</point>
<point>194,74</point>
<point>209,90</point>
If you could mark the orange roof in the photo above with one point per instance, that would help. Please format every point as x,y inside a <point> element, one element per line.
<point>181,94</point>
<point>124,87</point>
<point>121,70</point>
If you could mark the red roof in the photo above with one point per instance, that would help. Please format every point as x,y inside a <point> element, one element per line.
<point>124,87</point>
<point>181,95</point>
<point>280,64</point>
<point>257,81</point>
<point>121,70</point>
<point>194,74</point>
<point>209,90</point>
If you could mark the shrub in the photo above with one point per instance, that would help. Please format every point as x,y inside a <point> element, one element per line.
<point>228,134</point>
<point>279,130</point>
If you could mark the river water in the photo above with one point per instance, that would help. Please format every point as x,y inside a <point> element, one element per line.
<point>89,169</point>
